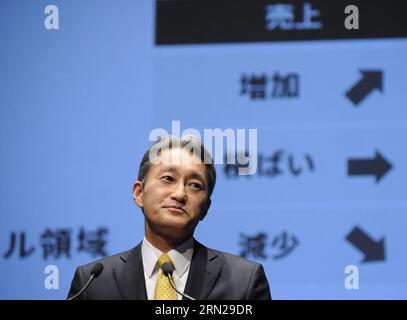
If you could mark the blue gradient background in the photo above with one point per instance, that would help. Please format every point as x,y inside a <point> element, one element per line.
<point>77,106</point>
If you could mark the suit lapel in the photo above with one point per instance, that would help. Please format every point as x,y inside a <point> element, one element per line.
<point>205,269</point>
<point>130,277</point>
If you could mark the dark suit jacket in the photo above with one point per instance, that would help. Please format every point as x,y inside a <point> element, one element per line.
<point>213,275</point>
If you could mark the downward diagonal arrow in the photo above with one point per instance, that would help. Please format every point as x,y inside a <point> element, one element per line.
<point>373,250</point>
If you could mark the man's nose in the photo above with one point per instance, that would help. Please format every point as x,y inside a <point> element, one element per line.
<point>180,193</point>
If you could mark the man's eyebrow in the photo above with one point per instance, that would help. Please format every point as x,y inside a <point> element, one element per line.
<point>194,175</point>
<point>167,169</point>
<point>197,176</point>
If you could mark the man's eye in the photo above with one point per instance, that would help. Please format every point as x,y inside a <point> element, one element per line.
<point>196,186</point>
<point>168,178</point>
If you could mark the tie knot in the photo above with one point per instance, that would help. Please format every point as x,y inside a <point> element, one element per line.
<point>164,258</point>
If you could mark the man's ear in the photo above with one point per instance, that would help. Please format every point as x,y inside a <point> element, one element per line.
<point>206,208</point>
<point>138,193</point>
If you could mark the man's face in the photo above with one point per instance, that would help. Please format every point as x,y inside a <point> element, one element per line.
<point>175,194</point>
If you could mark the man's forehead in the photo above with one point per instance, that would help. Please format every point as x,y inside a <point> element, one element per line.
<point>175,156</point>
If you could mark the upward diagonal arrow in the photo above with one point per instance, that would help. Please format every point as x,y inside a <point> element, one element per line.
<point>370,81</point>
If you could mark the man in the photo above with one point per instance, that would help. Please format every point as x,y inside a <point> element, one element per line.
<point>175,182</point>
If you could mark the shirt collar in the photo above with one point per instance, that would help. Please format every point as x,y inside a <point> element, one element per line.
<point>181,256</point>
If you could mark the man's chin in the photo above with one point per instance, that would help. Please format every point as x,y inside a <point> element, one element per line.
<point>176,229</point>
<point>179,226</point>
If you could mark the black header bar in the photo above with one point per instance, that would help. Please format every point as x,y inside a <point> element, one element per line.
<point>233,21</point>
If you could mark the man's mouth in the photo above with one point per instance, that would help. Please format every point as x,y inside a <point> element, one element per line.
<point>175,209</point>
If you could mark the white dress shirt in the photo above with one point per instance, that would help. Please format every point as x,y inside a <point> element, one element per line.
<point>181,257</point>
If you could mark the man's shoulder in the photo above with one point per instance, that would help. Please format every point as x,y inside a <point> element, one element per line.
<point>112,261</point>
<point>232,260</point>
<point>244,279</point>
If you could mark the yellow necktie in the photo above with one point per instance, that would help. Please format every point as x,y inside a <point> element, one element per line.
<point>163,288</point>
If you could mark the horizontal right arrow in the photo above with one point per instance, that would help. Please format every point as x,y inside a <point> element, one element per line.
<point>377,166</point>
